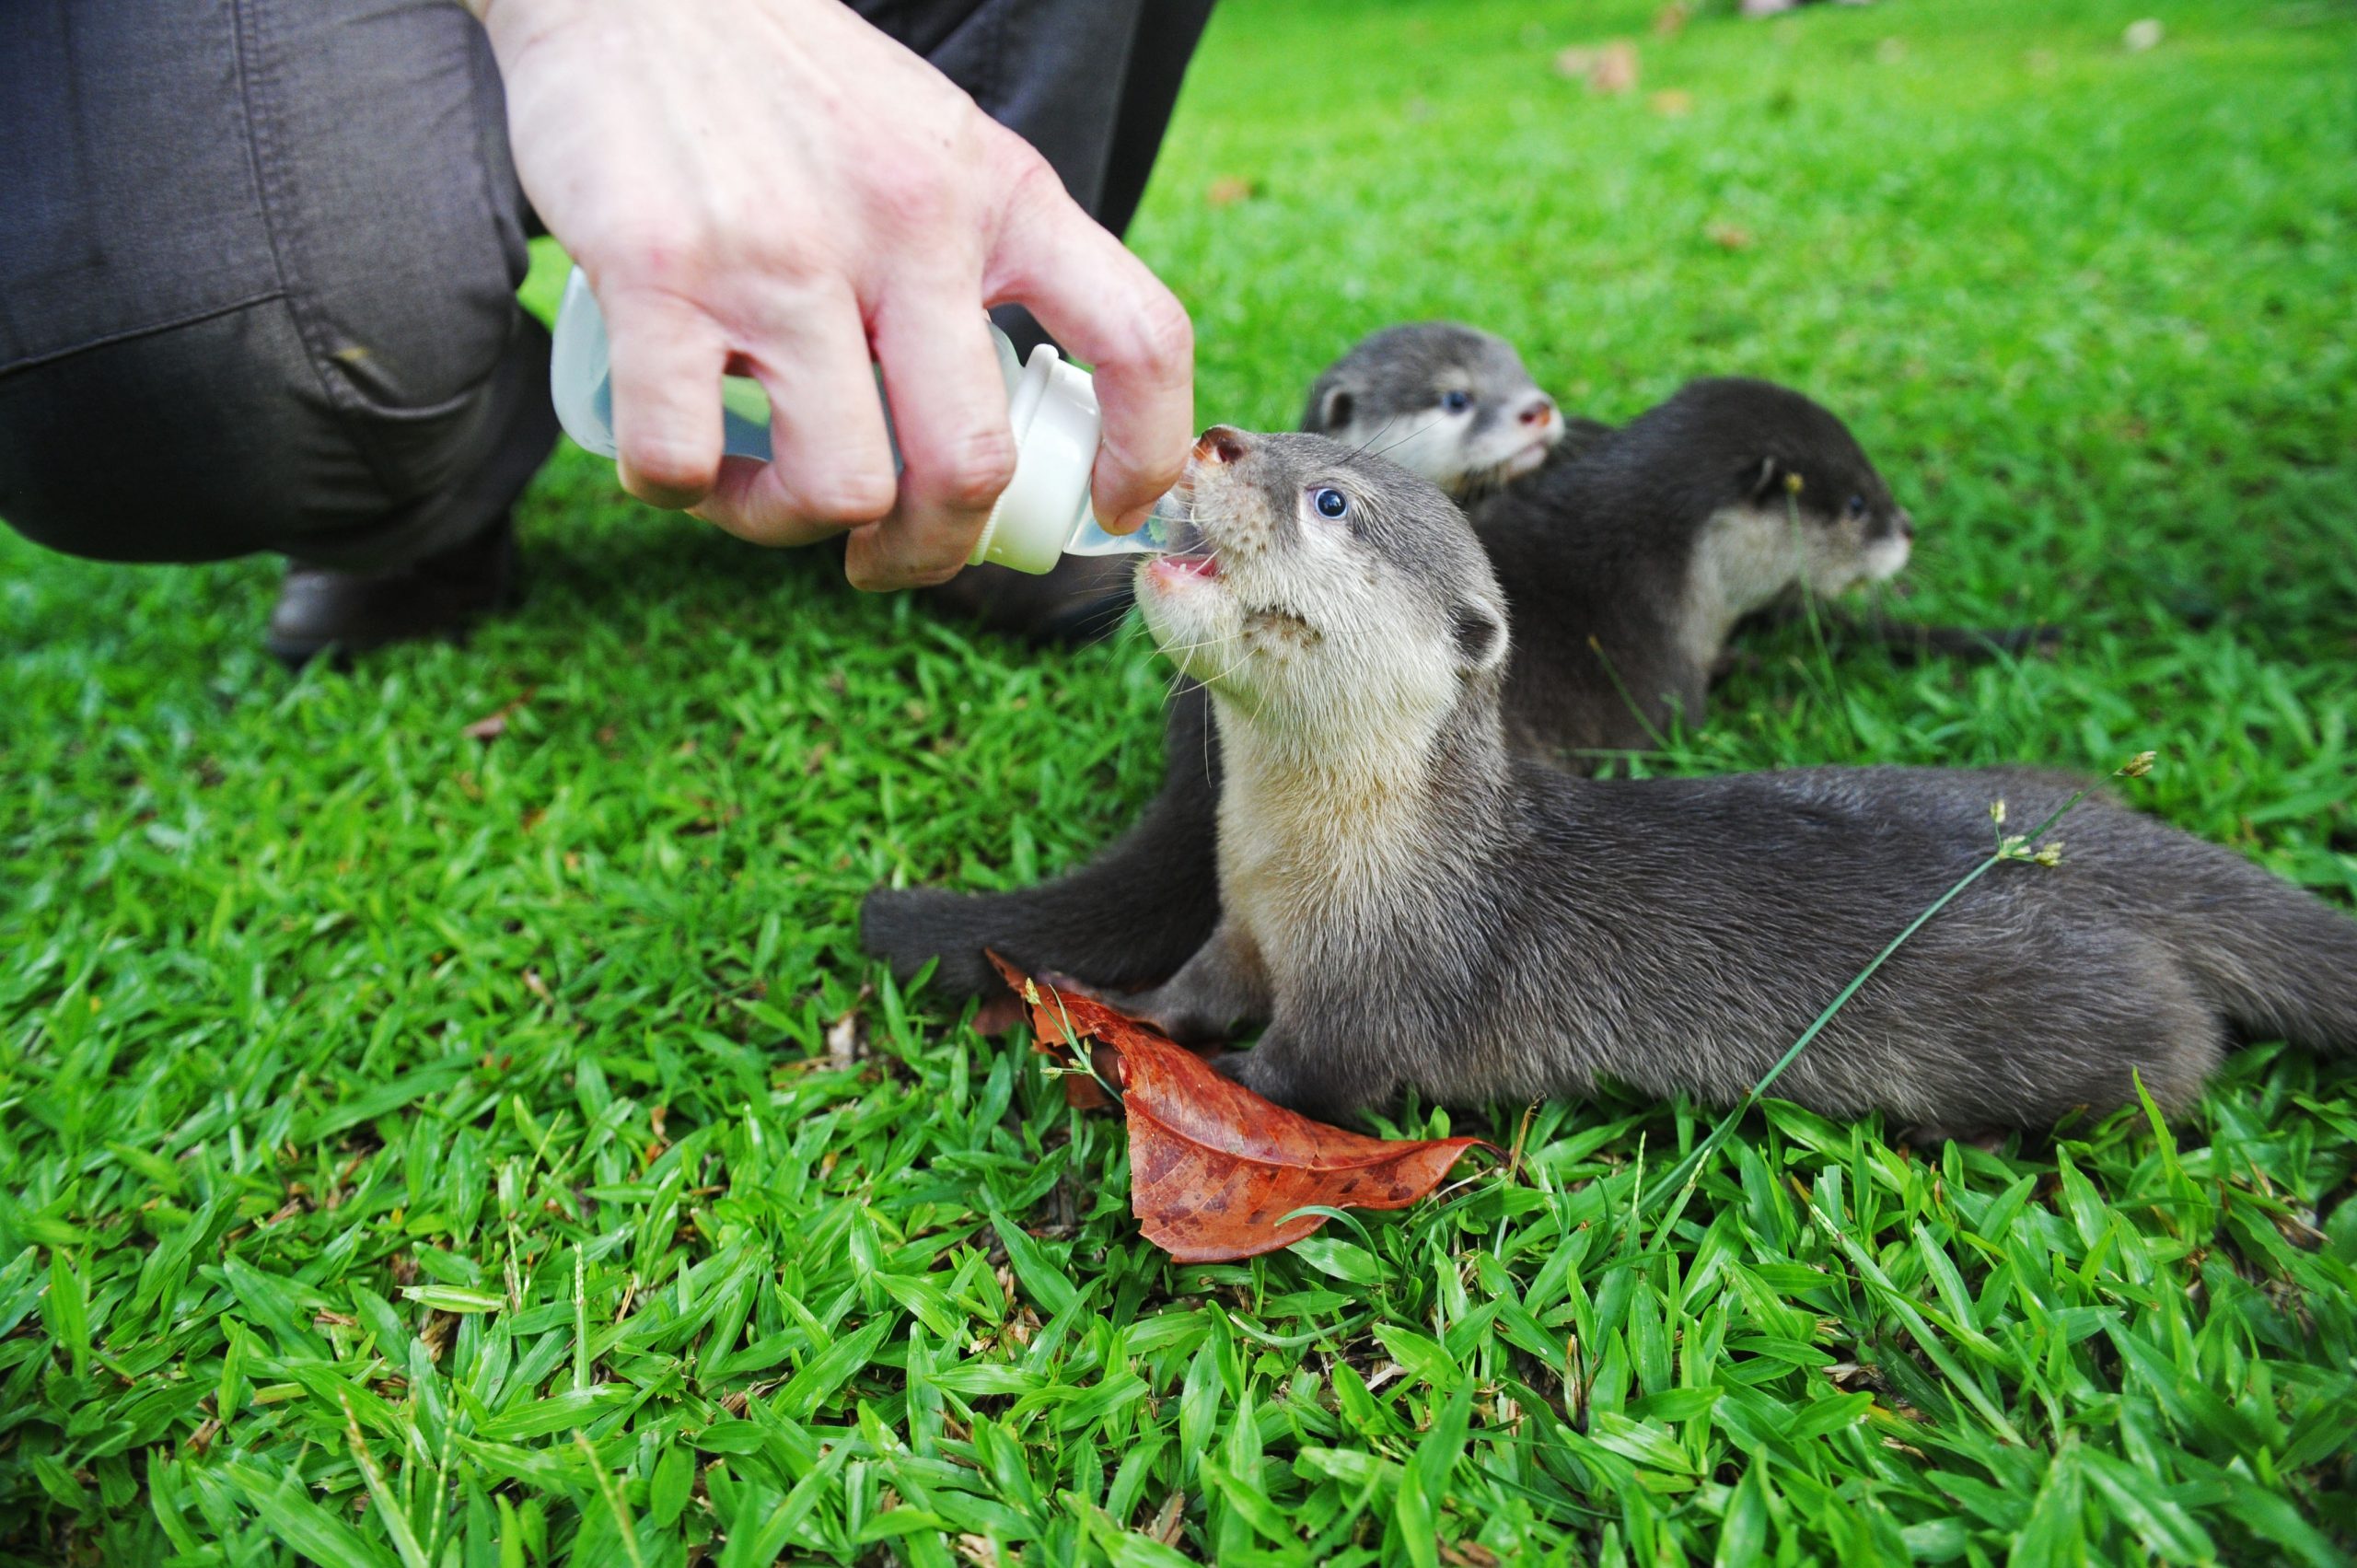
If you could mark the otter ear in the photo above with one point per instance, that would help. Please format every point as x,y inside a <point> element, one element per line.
<point>1765,478</point>
<point>1480,637</point>
<point>1334,408</point>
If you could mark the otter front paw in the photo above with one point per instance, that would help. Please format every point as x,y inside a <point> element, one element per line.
<point>1280,1075</point>
<point>1258,1071</point>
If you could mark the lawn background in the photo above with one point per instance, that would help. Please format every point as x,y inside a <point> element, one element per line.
<point>419,1149</point>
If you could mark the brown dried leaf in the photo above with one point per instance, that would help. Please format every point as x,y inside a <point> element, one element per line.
<point>492,725</point>
<point>1230,189</point>
<point>844,1046</point>
<point>1214,1168</point>
<point>1615,70</point>
<point>1671,103</point>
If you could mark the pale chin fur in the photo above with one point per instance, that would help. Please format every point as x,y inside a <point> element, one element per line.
<point>1430,443</point>
<point>1885,558</point>
<point>1501,460</point>
<point>1190,617</point>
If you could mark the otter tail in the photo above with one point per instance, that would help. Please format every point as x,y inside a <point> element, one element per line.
<point>2278,962</point>
<point>1127,920</point>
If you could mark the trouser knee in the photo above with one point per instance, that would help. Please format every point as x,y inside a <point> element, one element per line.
<point>220,438</point>
<point>262,288</point>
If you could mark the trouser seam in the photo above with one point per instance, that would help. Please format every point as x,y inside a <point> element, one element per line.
<point>146,329</point>
<point>281,218</point>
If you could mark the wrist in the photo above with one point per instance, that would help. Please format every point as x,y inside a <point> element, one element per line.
<point>513,23</point>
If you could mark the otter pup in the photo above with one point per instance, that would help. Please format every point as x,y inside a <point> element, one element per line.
<point>1649,540</point>
<point>1710,507</point>
<point>1447,401</point>
<point>1414,907</point>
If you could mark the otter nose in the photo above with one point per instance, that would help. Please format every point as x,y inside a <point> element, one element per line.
<point>1906,526</point>
<point>1539,412</point>
<point>1221,444</point>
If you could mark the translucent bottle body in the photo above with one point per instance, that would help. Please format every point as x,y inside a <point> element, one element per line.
<point>1044,513</point>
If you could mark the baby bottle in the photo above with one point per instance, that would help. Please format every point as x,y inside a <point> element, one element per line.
<point>1042,515</point>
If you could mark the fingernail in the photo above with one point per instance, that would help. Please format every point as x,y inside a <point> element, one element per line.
<point>1133,521</point>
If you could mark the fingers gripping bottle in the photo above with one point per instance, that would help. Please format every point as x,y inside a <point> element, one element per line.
<point>1044,513</point>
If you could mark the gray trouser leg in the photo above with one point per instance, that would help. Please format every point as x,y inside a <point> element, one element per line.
<point>262,296</point>
<point>257,258</point>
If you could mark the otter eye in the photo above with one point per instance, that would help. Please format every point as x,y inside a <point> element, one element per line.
<point>1857,506</point>
<point>1456,401</point>
<point>1330,502</point>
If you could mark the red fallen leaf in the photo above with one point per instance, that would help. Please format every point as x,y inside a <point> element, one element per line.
<point>1214,1167</point>
<point>1090,1018</point>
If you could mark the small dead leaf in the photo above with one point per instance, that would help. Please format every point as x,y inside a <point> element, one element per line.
<point>1214,1168</point>
<point>1574,63</point>
<point>844,1041</point>
<point>1468,1555</point>
<point>1230,189</point>
<point>1728,236</point>
<point>999,1014</point>
<point>492,725</point>
<point>1672,103</point>
<point>2142,35</point>
<point>536,985</point>
<point>1169,1519</point>
<point>1615,70</point>
<point>979,1550</point>
<point>1671,20</point>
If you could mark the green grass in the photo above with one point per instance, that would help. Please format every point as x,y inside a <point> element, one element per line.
<point>417,1150</point>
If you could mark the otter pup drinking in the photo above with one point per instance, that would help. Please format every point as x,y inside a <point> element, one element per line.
<point>1448,402</point>
<point>1414,907</point>
<point>1649,538</point>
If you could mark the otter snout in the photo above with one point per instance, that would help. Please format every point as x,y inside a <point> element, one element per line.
<point>1538,413</point>
<point>1886,552</point>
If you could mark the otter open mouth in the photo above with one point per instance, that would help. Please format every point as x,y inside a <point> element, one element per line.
<point>1184,564</point>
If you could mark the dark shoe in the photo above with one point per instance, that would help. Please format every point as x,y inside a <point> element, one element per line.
<point>441,596</point>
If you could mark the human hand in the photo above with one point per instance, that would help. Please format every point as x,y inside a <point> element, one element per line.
<point>773,187</point>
